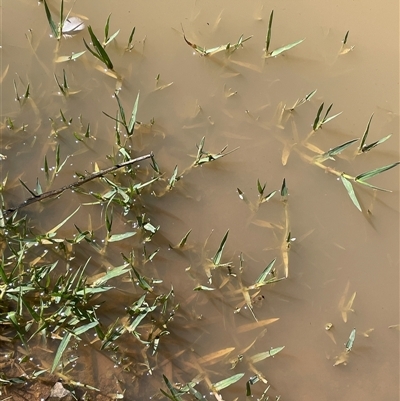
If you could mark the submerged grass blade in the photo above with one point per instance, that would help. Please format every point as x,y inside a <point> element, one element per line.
<point>350,191</point>
<point>282,49</point>
<point>369,174</point>
<point>227,382</point>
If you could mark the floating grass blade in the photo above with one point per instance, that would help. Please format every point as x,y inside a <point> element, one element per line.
<point>182,242</point>
<point>350,341</point>
<point>299,102</point>
<point>345,37</point>
<point>263,355</point>
<point>282,49</point>
<point>350,191</point>
<point>361,178</point>
<point>335,151</point>
<point>227,382</point>
<point>217,257</point>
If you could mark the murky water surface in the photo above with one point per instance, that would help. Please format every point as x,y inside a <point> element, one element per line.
<point>331,253</point>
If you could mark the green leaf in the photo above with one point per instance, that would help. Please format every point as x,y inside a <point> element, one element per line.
<point>203,288</point>
<point>227,382</point>
<point>31,192</point>
<point>268,38</point>
<point>182,242</point>
<point>174,392</point>
<point>112,273</point>
<point>217,257</point>
<point>369,174</point>
<point>364,137</point>
<point>350,341</point>
<point>263,355</point>
<point>61,348</point>
<point>284,189</point>
<point>101,53</point>
<point>84,328</point>
<point>367,148</point>
<point>316,121</point>
<point>335,151</point>
<point>263,277</point>
<point>350,191</point>
<point>132,121</point>
<point>282,49</point>
<point>120,237</point>
<point>50,20</point>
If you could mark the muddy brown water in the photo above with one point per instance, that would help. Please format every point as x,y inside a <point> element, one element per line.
<point>233,100</point>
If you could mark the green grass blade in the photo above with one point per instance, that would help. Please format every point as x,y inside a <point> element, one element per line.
<point>335,151</point>
<point>350,341</point>
<point>61,24</point>
<point>369,174</point>
<point>85,328</point>
<point>120,237</point>
<point>367,148</point>
<point>282,49</point>
<point>61,348</point>
<point>53,26</point>
<point>227,382</point>
<point>316,124</point>
<point>263,355</point>
<point>25,186</point>
<point>106,28</point>
<point>91,51</point>
<point>131,37</point>
<point>350,191</point>
<point>217,257</point>
<point>132,121</point>
<point>364,137</point>
<point>102,54</point>
<point>182,242</point>
<point>268,38</point>
<point>284,190</point>
<point>262,279</point>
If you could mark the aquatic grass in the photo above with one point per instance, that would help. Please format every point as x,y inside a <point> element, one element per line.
<point>319,122</point>
<point>280,50</point>
<point>301,101</point>
<point>345,49</point>
<point>108,39</point>
<point>204,157</point>
<point>229,48</point>
<point>129,46</point>
<point>363,147</point>
<point>121,117</point>
<point>56,28</point>
<point>99,51</point>
<point>72,57</point>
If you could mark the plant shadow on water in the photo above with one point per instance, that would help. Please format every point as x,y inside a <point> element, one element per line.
<point>188,215</point>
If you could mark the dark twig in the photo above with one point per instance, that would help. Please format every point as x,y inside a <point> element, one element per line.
<point>50,194</point>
